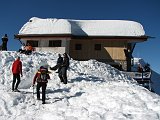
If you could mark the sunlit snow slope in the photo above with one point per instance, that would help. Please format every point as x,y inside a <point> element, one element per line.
<point>95,91</point>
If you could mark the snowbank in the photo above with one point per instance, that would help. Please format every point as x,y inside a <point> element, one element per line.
<point>95,91</point>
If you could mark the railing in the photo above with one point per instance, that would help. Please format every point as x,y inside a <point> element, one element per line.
<point>143,78</point>
<point>143,75</point>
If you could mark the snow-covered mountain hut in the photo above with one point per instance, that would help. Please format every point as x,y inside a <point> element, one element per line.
<point>110,41</point>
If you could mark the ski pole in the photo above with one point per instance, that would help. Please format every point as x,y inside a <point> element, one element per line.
<point>33,90</point>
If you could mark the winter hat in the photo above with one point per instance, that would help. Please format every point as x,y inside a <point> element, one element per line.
<point>41,67</point>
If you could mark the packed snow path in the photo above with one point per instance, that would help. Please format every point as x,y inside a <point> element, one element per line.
<point>95,91</point>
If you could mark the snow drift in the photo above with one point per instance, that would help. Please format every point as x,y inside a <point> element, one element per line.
<point>95,91</point>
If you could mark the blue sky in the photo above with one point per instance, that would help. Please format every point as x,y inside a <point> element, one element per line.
<point>15,13</point>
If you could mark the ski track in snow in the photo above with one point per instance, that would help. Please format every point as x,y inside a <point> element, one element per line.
<point>95,91</point>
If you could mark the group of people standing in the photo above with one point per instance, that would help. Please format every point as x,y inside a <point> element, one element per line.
<point>26,49</point>
<point>62,66</point>
<point>142,69</point>
<point>42,75</point>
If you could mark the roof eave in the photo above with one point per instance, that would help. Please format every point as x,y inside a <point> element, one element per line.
<point>109,37</point>
<point>141,38</point>
<point>21,36</point>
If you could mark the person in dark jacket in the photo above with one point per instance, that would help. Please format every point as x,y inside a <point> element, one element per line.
<point>58,65</point>
<point>147,68</point>
<point>41,77</point>
<point>16,70</point>
<point>60,59</point>
<point>63,70</point>
<point>59,62</point>
<point>4,42</point>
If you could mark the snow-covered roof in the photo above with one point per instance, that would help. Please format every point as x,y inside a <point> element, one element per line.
<point>82,27</point>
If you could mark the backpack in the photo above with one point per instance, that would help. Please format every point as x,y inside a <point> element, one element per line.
<point>43,75</point>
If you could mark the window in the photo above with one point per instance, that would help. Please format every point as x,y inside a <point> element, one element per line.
<point>78,47</point>
<point>97,47</point>
<point>55,43</point>
<point>33,43</point>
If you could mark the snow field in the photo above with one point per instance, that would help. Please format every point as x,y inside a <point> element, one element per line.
<point>95,91</point>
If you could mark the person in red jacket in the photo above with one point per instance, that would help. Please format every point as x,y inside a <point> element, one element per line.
<point>41,77</point>
<point>16,70</point>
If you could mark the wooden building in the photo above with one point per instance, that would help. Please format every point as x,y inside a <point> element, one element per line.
<point>109,41</point>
